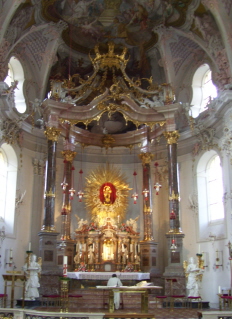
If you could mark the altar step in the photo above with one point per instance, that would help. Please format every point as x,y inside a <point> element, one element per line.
<point>92,298</point>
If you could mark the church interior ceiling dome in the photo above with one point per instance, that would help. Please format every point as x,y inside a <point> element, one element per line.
<point>57,39</point>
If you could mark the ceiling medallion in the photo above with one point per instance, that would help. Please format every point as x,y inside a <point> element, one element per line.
<point>106,194</point>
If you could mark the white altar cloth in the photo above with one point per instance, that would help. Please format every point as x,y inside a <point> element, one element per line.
<point>106,275</point>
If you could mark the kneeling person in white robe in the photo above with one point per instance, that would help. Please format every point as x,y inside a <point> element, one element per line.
<point>114,281</point>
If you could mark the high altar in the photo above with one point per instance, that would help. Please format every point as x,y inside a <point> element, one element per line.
<point>107,243</point>
<point>108,247</point>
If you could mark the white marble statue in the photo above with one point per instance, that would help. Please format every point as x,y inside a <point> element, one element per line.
<point>32,272</point>
<point>193,281</point>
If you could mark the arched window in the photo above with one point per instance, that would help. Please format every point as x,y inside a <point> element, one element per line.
<point>214,189</point>
<point>203,89</point>
<point>8,178</point>
<point>210,194</point>
<point>3,180</point>
<point>16,73</point>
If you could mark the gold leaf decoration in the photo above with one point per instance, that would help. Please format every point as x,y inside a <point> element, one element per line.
<point>98,210</point>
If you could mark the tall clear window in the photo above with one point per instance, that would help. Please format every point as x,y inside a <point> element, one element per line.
<point>209,90</point>
<point>210,190</point>
<point>203,89</point>
<point>3,176</point>
<point>215,189</point>
<point>8,180</point>
<point>16,73</point>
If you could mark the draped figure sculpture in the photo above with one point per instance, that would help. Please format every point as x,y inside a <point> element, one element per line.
<point>193,282</point>
<point>32,271</point>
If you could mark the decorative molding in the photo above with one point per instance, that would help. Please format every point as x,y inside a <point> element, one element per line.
<point>10,131</point>
<point>205,136</point>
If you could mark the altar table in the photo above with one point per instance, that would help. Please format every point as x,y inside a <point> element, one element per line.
<point>129,289</point>
<point>106,275</point>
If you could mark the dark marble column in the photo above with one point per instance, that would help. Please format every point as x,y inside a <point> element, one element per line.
<point>174,216</point>
<point>52,134</point>
<point>148,247</point>
<point>174,272</point>
<point>146,159</point>
<point>67,206</point>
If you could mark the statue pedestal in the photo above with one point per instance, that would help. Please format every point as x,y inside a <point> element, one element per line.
<point>149,254</point>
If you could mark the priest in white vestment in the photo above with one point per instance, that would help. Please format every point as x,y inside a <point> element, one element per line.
<point>115,282</point>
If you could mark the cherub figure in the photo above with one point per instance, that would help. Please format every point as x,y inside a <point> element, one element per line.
<point>81,223</point>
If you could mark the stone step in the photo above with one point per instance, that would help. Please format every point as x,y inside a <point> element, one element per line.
<point>93,298</point>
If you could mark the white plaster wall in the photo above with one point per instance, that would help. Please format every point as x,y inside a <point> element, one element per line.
<point>213,277</point>
<point>19,241</point>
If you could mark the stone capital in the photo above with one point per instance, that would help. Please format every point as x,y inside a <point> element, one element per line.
<point>52,133</point>
<point>146,158</point>
<point>171,137</point>
<point>69,155</point>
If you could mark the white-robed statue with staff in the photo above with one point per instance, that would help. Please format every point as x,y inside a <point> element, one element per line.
<point>32,269</point>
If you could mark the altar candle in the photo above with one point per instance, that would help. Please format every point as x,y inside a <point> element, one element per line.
<point>219,289</point>
<point>199,249</point>
<point>29,247</point>
<point>80,247</point>
<point>122,248</point>
<point>65,266</point>
<point>138,248</point>
<point>11,253</point>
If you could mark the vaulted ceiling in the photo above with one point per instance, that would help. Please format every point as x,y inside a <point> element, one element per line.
<point>166,39</point>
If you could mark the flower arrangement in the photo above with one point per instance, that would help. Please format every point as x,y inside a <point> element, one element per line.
<point>82,267</point>
<point>92,227</point>
<point>125,228</point>
<point>129,267</point>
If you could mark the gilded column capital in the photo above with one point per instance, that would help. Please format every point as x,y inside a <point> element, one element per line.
<point>49,194</point>
<point>52,133</point>
<point>172,137</point>
<point>69,155</point>
<point>146,158</point>
<point>174,196</point>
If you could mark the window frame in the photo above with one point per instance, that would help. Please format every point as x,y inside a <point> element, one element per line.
<point>198,84</point>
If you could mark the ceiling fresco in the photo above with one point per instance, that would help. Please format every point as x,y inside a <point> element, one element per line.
<point>130,22</point>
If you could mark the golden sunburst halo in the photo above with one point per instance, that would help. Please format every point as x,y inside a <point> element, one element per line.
<point>103,178</point>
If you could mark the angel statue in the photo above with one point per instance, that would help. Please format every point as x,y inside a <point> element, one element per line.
<point>133,223</point>
<point>194,275</point>
<point>81,223</point>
